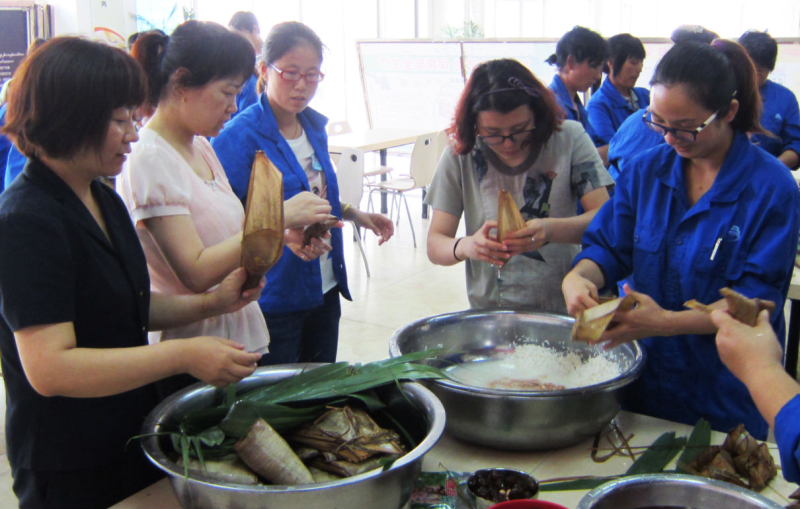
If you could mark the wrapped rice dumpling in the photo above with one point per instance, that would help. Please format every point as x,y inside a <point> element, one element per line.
<point>740,307</point>
<point>262,242</point>
<point>509,218</point>
<point>590,324</point>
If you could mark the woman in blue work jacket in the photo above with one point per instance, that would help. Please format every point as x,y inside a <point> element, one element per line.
<point>706,210</point>
<point>781,115</point>
<point>301,302</point>
<point>618,98</point>
<point>579,57</point>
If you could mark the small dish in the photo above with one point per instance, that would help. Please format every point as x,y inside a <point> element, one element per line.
<point>493,485</point>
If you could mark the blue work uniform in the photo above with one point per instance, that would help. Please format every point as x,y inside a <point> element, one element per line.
<point>15,163</point>
<point>580,115</point>
<point>247,96</point>
<point>632,138</point>
<point>742,233</point>
<point>787,435</point>
<point>781,117</point>
<point>608,109</point>
<point>5,145</point>
<point>293,283</point>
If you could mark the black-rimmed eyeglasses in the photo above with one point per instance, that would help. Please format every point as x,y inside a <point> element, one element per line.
<point>679,134</point>
<point>499,139</point>
<point>312,77</point>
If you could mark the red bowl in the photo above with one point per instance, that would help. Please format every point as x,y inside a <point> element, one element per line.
<point>527,504</point>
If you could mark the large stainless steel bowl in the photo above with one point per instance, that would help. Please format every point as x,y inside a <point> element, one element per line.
<point>518,420</point>
<point>673,490</point>
<point>372,490</point>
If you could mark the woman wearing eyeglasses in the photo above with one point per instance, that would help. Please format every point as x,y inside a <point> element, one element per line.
<point>704,211</point>
<point>301,300</point>
<point>508,135</point>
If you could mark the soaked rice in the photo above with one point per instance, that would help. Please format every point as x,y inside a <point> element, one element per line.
<point>535,367</point>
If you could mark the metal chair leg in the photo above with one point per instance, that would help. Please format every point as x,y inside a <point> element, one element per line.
<point>410,223</point>
<point>357,235</point>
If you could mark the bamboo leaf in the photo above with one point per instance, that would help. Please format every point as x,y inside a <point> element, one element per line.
<point>230,395</point>
<point>699,439</point>
<point>243,414</point>
<point>212,437</point>
<point>577,484</point>
<point>658,455</point>
<point>184,449</point>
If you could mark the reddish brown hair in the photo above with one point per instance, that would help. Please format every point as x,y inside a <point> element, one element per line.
<point>515,85</point>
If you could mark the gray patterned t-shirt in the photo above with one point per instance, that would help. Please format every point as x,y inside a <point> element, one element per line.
<point>567,167</point>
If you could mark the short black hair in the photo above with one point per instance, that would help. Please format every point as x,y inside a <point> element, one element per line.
<point>761,47</point>
<point>285,36</point>
<point>693,33</point>
<point>244,20</point>
<point>583,45</point>
<point>621,47</point>
<point>64,93</point>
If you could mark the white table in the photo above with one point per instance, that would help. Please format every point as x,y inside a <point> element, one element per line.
<point>376,140</point>
<point>572,461</point>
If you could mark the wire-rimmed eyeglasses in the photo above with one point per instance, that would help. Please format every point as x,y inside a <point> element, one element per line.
<point>679,134</point>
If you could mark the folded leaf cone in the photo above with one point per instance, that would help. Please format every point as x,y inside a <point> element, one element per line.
<point>262,242</point>
<point>509,218</point>
<point>317,230</point>
<point>350,434</point>
<point>591,323</point>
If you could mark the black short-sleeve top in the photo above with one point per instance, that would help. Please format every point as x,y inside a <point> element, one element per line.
<point>56,266</point>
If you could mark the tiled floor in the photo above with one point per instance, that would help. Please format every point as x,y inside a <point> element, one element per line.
<point>404,287</point>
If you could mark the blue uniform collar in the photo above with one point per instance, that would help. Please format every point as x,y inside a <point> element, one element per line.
<point>731,179</point>
<point>562,94</point>
<point>617,99</point>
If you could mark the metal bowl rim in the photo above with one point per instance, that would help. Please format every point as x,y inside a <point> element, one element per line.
<point>156,456</point>
<point>638,361</point>
<point>678,479</point>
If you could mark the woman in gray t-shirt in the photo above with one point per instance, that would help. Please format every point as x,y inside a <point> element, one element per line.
<point>509,134</point>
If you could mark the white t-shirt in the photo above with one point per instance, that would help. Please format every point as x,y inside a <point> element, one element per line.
<point>305,155</point>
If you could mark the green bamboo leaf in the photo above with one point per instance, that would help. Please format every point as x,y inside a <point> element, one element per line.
<point>184,449</point>
<point>577,484</point>
<point>212,437</point>
<point>658,455</point>
<point>699,439</point>
<point>243,414</point>
<point>230,395</point>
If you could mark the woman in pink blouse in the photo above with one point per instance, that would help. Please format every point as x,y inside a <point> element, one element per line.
<point>188,219</point>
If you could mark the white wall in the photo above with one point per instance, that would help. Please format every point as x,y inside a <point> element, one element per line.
<point>74,17</point>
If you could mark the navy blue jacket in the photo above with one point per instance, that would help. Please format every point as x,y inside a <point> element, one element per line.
<point>781,117</point>
<point>292,284</point>
<point>752,215</point>
<point>632,138</point>
<point>608,109</point>
<point>580,115</point>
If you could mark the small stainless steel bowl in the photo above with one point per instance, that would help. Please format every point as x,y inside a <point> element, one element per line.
<point>378,489</point>
<point>518,420</point>
<point>673,490</point>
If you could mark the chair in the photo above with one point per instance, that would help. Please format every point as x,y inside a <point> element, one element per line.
<point>350,174</point>
<point>340,127</point>
<point>424,159</point>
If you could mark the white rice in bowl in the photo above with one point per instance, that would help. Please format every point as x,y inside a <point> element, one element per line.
<point>538,368</point>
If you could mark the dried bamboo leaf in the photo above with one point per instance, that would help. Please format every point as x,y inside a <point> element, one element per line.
<point>317,230</point>
<point>591,323</point>
<point>509,218</point>
<point>699,306</point>
<point>268,454</point>
<point>262,242</point>
<point>743,309</point>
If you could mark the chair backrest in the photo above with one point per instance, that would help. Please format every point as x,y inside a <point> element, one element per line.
<point>350,174</point>
<point>340,127</point>
<point>425,157</point>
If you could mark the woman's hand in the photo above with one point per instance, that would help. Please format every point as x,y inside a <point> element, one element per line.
<point>535,235</point>
<point>645,320</point>
<point>483,246</point>
<point>294,241</point>
<point>580,294</point>
<point>305,209</point>
<point>747,351</point>
<point>228,296</point>
<point>378,224</point>
<point>218,361</point>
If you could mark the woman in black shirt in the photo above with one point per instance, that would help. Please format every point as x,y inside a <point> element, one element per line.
<point>74,289</point>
